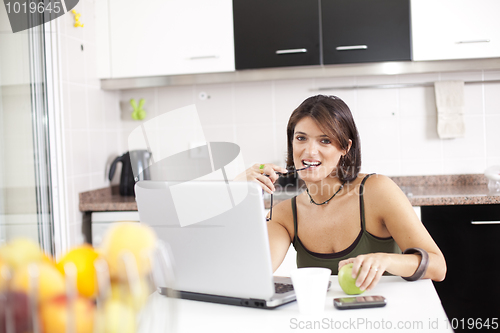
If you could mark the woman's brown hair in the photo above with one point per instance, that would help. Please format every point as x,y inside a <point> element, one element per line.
<point>334,118</point>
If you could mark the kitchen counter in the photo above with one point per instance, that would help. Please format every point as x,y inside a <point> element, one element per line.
<point>421,191</point>
<point>106,199</point>
<point>431,190</point>
<point>447,190</point>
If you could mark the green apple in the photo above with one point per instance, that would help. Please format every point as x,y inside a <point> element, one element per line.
<point>347,282</point>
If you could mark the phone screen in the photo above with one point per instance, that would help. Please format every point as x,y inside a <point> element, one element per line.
<point>359,302</point>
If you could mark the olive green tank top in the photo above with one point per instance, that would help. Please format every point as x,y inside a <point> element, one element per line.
<point>364,243</point>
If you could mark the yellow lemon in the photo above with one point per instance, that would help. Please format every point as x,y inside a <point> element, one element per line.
<point>83,258</point>
<point>50,281</point>
<point>119,317</point>
<point>21,251</point>
<point>137,297</point>
<point>132,238</point>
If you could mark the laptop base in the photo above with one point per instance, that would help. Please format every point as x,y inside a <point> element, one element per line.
<point>252,303</point>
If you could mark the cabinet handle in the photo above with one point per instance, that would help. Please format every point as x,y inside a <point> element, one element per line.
<point>203,57</point>
<point>351,47</point>
<point>473,41</point>
<point>485,222</point>
<point>288,51</point>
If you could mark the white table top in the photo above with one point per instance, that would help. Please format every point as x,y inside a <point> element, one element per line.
<point>411,306</point>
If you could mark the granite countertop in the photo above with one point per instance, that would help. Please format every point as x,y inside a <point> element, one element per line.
<point>431,190</point>
<point>447,190</point>
<point>421,191</point>
<point>106,199</point>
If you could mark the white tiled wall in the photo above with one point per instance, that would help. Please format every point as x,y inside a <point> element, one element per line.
<point>397,126</point>
<point>91,116</point>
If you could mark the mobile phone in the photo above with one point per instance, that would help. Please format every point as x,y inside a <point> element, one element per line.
<point>359,302</point>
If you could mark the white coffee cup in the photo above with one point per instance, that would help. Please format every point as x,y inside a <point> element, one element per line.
<point>310,285</point>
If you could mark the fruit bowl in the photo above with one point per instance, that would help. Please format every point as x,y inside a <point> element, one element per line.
<point>88,290</point>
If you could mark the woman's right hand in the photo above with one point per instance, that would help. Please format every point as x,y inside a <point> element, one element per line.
<point>264,174</point>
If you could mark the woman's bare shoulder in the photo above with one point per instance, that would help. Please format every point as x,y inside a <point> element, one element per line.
<point>383,194</point>
<point>377,182</point>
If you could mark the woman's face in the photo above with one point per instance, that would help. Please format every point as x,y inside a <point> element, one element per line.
<point>312,147</point>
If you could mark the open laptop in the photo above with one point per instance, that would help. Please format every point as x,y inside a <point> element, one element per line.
<point>217,233</point>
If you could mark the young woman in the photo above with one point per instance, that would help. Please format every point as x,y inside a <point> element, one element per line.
<point>343,216</point>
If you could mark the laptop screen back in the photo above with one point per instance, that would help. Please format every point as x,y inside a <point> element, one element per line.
<point>217,233</point>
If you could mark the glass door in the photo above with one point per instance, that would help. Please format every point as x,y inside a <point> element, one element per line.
<point>25,182</point>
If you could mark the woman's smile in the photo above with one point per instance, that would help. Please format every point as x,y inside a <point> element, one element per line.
<point>311,164</point>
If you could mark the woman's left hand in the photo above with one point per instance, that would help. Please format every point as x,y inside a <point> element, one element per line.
<point>370,268</point>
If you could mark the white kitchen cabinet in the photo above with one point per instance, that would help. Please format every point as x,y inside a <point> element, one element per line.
<point>417,211</point>
<point>455,29</point>
<point>102,221</point>
<point>165,37</point>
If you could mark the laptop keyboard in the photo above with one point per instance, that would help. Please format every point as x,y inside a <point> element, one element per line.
<point>281,288</point>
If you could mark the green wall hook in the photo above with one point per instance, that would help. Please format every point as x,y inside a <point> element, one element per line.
<point>139,113</point>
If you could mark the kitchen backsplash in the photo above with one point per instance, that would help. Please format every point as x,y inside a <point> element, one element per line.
<point>398,127</point>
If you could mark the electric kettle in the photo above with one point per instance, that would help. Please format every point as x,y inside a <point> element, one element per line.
<point>134,162</point>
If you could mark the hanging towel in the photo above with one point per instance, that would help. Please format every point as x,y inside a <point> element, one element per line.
<point>450,109</point>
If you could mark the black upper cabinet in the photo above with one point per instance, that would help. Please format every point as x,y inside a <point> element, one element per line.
<point>276,33</point>
<point>356,31</point>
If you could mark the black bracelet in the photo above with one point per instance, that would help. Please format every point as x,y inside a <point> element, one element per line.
<point>424,263</point>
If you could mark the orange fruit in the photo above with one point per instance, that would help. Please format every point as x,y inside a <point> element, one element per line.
<point>48,259</point>
<point>83,258</point>
<point>54,315</point>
